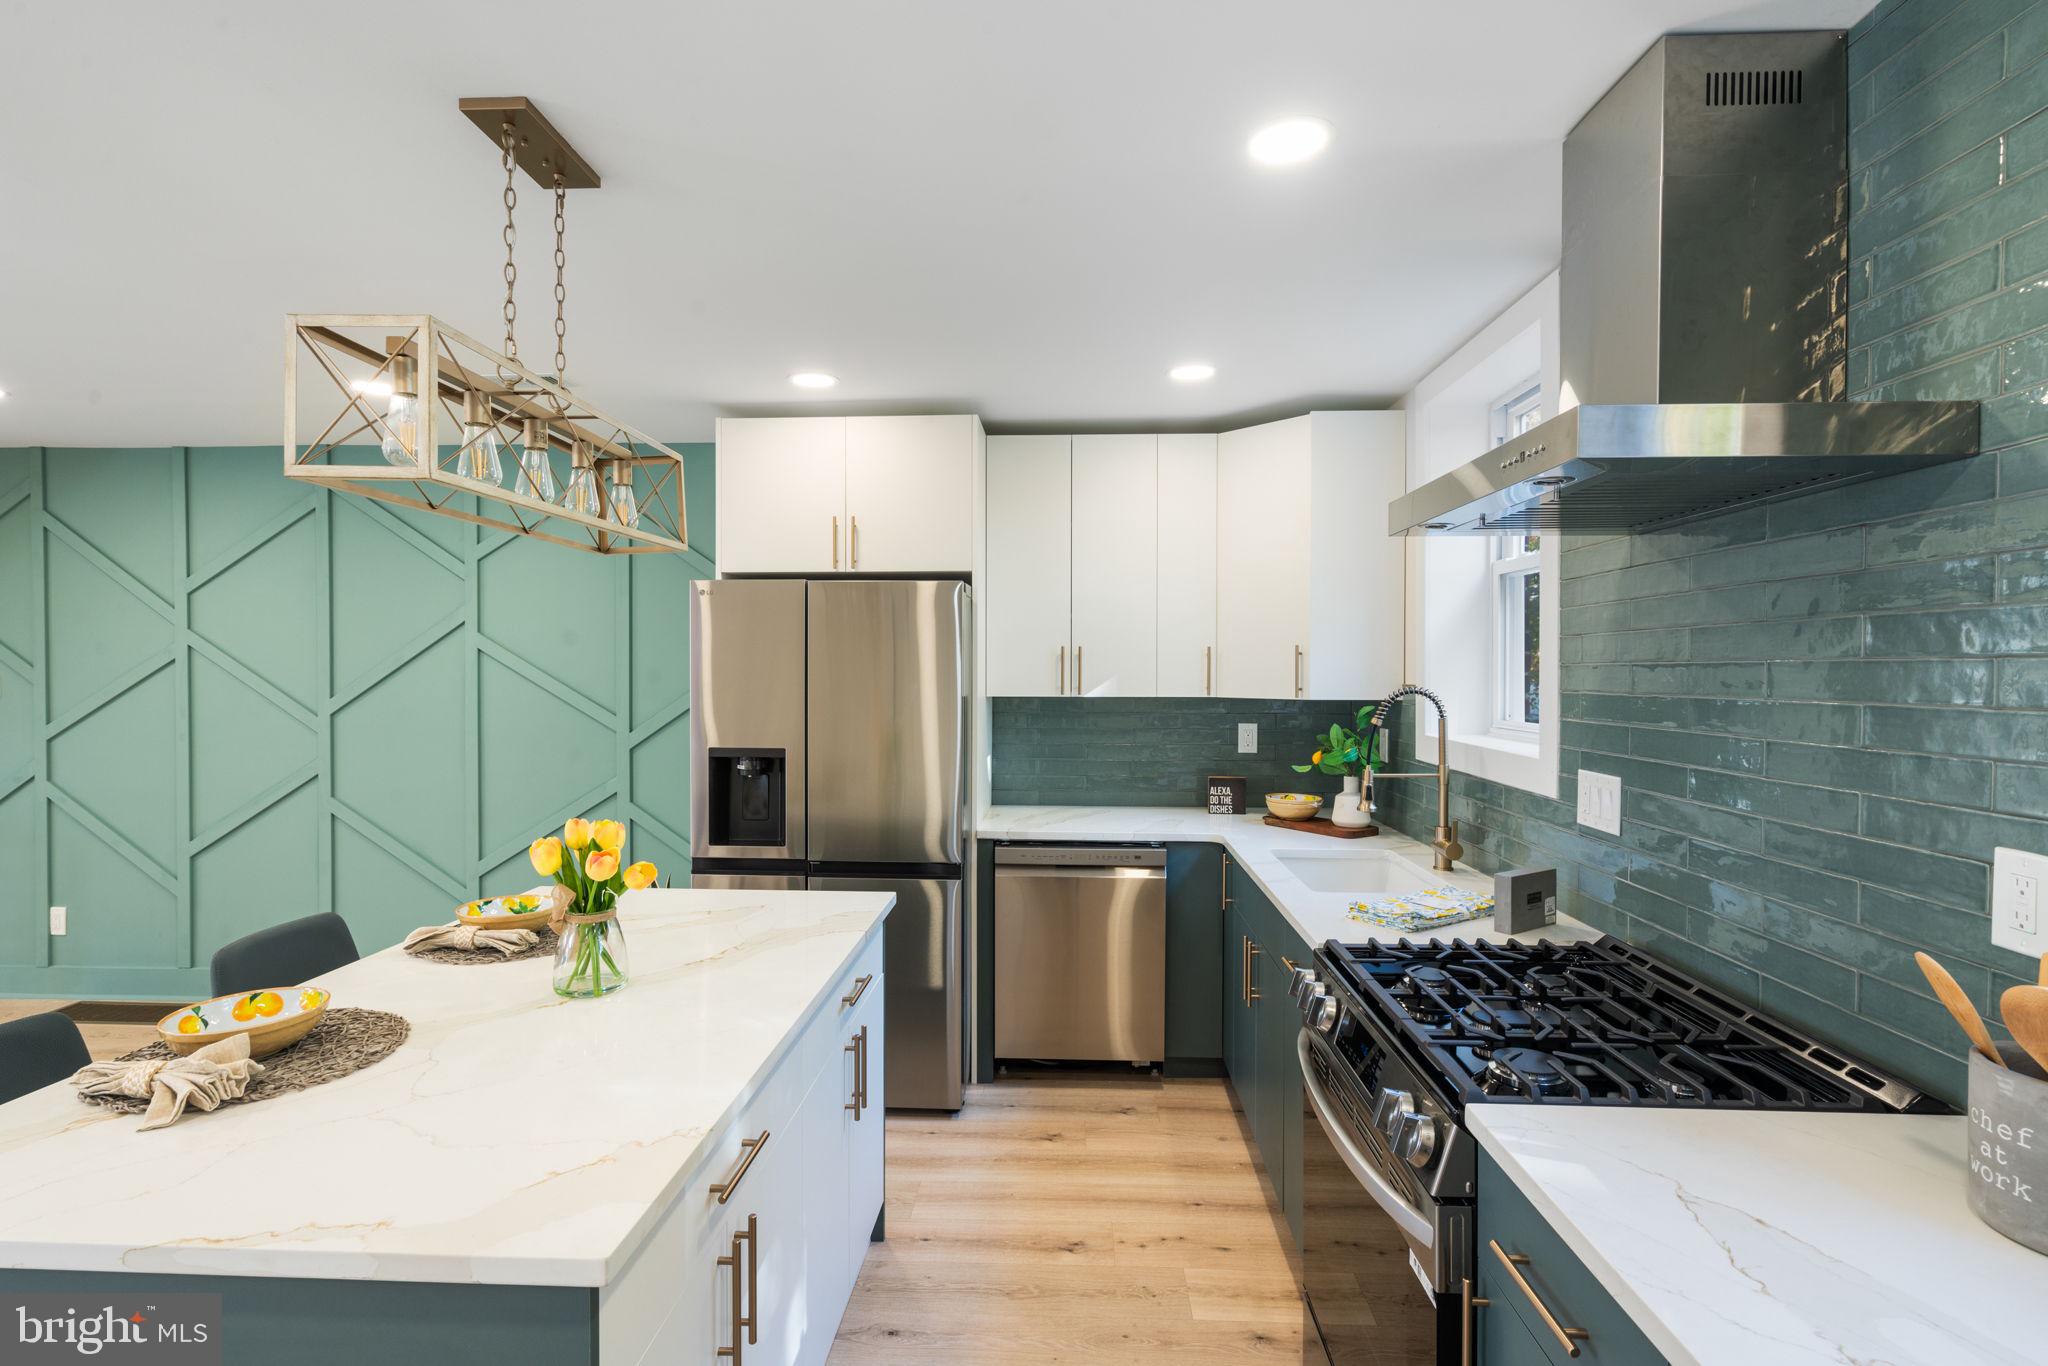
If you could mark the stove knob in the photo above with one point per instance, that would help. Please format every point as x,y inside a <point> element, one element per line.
<point>1309,1001</point>
<point>1326,1015</point>
<point>1303,982</point>
<point>1388,1109</point>
<point>1414,1139</point>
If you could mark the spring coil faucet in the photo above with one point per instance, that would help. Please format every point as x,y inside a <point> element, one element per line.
<point>1448,850</point>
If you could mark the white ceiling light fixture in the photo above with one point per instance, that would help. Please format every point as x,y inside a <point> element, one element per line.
<point>1194,372</point>
<point>813,379</point>
<point>438,412</point>
<point>1288,142</point>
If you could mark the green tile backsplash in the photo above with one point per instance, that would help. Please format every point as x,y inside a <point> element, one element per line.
<point>1827,714</point>
<point>1150,751</point>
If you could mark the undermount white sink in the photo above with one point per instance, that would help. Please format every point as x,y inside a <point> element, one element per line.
<point>1352,871</point>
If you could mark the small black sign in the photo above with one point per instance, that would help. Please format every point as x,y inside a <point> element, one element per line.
<point>1226,796</point>
<point>170,1330</point>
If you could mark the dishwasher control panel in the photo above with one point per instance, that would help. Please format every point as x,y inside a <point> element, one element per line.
<point>1084,855</point>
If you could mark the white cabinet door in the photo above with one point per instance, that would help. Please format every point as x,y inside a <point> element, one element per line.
<point>864,1142</point>
<point>1357,588</point>
<point>1116,566</point>
<point>827,1276</point>
<point>1187,566</point>
<point>910,495</point>
<point>1027,603</point>
<point>1262,560</point>
<point>781,495</point>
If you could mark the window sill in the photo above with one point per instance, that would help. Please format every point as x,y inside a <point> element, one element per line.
<point>1511,763</point>
<point>1495,740</point>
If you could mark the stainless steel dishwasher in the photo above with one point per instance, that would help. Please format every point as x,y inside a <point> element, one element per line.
<point>1080,952</point>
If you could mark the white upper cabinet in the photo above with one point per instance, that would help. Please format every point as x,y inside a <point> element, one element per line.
<point>846,495</point>
<point>1309,585</point>
<point>1187,566</point>
<point>781,495</point>
<point>910,494</point>
<point>1027,603</point>
<point>1116,566</point>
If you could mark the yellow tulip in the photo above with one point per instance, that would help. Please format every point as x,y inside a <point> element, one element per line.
<point>546,854</point>
<point>640,875</point>
<point>609,835</point>
<point>600,864</point>
<point>576,832</point>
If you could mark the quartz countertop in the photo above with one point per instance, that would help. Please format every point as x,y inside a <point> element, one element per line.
<point>1315,915</point>
<point>1740,1238</point>
<point>516,1137</point>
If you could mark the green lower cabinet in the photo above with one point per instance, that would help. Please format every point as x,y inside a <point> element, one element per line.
<point>1554,1285</point>
<point>1238,1054</point>
<point>1194,974</point>
<point>1260,1026</point>
<point>1502,1338</point>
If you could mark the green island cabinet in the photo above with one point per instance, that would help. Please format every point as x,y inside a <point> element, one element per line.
<point>1260,1026</point>
<point>1544,1293</point>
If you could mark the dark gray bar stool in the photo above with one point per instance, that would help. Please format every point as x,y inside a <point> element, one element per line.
<point>37,1050</point>
<point>284,955</point>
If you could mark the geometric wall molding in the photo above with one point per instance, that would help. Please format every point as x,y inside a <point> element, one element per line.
<point>227,700</point>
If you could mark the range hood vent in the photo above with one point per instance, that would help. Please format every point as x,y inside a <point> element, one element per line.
<point>1703,302</point>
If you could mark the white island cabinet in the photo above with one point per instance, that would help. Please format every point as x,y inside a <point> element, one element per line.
<point>690,1165</point>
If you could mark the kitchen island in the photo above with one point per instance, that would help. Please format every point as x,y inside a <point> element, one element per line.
<point>528,1178</point>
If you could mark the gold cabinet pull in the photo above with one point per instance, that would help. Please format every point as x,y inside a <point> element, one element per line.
<point>742,1320</point>
<point>859,1048</point>
<point>1567,1338</point>
<point>1208,686</point>
<point>1225,890</point>
<point>1468,1325</point>
<point>1244,970</point>
<point>853,542</point>
<point>750,1148</point>
<point>835,541</point>
<point>1289,964</point>
<point>860,989</point>
<point>1063,671</point>
<point>1251,973</point>
<point>1297,671</point>
<point>1080,688</point>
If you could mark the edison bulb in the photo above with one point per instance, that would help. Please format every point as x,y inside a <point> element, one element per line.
<point>401,429</point>
<point>482,454</point>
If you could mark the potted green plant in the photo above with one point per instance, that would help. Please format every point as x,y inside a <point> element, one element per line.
<point>1347,754</point>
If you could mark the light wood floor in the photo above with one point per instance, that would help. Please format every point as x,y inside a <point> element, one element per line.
<point>1060,1220</point>
<point>110,1028</point>
<point>1076,1219</point>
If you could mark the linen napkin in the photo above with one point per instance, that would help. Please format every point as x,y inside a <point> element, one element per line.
<point>218,1072</point>
<point>468,934</point>
<point>1429,909</point>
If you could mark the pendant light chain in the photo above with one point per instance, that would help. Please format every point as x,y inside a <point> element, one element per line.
<point>561,293</point>
<point>511,238</point>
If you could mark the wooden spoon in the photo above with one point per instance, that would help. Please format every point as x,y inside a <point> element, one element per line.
<point>1959,1006</point>
<point>2026,1015</point>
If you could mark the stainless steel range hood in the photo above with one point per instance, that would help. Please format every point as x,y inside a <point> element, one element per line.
<point>1702,311</point>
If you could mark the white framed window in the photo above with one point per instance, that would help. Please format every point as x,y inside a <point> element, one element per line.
<point>1516,593</point>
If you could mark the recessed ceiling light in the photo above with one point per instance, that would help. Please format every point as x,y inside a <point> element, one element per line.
<point>1288,141</point>
<point>1194,372</point>
<point>813,379</point>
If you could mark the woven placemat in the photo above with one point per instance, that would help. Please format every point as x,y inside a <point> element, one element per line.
<point>542,949</point>
<point>347,1040</point>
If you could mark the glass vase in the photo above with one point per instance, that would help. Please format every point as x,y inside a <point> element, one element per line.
<point>590,955</point>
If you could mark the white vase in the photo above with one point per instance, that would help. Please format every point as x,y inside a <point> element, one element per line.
<point>1347,808</point>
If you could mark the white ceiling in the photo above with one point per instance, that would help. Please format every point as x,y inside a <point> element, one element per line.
<point>1023,208</point>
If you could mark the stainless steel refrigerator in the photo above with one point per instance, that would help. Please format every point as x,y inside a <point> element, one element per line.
<point>828,750</point>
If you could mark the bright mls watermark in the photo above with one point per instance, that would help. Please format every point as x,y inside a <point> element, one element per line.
<point>166,1330</point>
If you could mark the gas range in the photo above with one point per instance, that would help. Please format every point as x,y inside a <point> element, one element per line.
<point>1398,1039</point>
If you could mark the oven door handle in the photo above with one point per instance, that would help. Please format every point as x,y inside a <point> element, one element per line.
<point>1404,1215</point>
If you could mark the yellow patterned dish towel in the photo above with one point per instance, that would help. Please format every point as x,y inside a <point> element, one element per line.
<point>1429,909</point>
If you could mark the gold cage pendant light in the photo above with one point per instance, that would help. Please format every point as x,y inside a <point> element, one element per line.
<point>430,418</point>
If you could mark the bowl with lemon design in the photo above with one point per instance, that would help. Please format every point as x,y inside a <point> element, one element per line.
<point>526,911</point>
<point>273,1018</point>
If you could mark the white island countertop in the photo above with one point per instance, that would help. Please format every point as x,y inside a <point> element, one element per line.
<point>1315,915</point>
<point>1737,1238</point>
<point>516,1138</point>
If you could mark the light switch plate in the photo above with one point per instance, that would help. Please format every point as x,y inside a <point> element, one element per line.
<point>1600,801</point>
<point>2018,881</point>
<point>1247,737</point>
<point>60,920</point>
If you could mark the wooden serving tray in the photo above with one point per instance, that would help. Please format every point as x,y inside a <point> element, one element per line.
<point>1323,825</point>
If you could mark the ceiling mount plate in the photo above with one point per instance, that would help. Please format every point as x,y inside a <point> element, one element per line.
<point>538,149</point>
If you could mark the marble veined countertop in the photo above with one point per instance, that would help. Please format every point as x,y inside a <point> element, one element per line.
<point>516,1138</point>
<point>1275,857</point>
<point>1738,1238</point>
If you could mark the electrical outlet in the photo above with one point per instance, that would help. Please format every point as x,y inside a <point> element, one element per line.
<point>2016,881</point>
<point>60,920</point>
<point>1600,801</point>
<point>1247,737</point>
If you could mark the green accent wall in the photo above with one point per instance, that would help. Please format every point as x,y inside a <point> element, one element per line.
<point>1150,751</point>
<point>1827,714</point>
<point>228,699</point>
